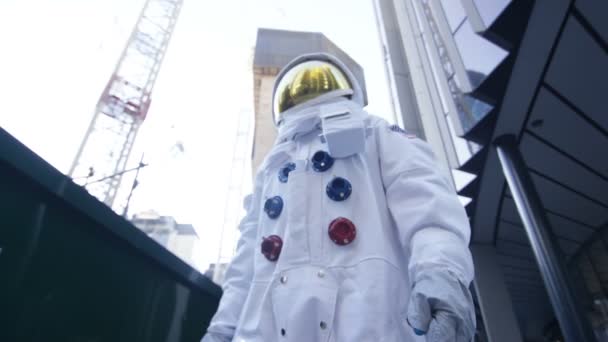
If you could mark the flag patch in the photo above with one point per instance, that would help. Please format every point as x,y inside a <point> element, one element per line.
<point>397,129</point>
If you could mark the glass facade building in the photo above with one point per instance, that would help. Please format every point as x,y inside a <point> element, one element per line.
<point>434,55</point>
<point>473,73</point>
<point>590,265</point>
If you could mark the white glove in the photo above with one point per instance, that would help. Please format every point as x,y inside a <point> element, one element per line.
<point>211,337</point>
<point>441,307</point>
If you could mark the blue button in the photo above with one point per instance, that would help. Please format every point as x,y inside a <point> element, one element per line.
<point>284,172</point>
<point>322,161</point>
<point>339,189</point>
<point>273,207</point>
<point>419,332</point>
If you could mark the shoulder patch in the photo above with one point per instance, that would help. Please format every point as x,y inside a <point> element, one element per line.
<point>397,129</point>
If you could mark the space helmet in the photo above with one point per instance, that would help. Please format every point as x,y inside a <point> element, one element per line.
<point>310,79</point>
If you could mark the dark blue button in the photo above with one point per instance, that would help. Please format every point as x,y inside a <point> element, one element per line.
<point>419,332</point>
<point>339,189</point>
<point>284,172</point>
<point>273,207</point>
<point>322,161</point>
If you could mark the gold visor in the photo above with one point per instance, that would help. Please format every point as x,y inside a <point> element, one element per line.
<point>305,82</point>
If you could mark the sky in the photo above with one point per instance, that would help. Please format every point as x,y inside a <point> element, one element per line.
<point>59,54</point>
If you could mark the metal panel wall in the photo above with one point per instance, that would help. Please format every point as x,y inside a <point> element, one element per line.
<point>72,270</point>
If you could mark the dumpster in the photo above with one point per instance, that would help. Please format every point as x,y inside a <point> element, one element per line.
<point>73,270</point>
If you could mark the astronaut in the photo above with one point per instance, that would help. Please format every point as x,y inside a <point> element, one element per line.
<point>351,233</point>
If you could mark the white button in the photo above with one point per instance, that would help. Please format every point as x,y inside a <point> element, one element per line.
<point>283,279</point>
<point>321,274</point>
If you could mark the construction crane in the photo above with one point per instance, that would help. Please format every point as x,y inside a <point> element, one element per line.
<point>233,210</point>
<point>101,160</point>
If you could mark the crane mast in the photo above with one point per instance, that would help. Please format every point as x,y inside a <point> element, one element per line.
<point>102,157</point>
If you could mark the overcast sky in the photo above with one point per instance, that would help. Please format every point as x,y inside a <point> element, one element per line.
<point>57,56</point>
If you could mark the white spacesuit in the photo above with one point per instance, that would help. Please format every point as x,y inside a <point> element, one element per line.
<point>351,233</point>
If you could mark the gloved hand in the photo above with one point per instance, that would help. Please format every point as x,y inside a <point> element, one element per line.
<point>441,307</point>
<point>211,337</point>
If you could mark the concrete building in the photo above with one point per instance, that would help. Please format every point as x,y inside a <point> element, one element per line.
<point>520,81</point>
<point>178,238</point>
<point>428,46</point>
<point>273,50</point>
<point>217,273</point>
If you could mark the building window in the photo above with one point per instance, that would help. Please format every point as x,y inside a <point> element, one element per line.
<point>463,149</point>
<point>478,54</point>
<point>470,110</point>
<point>454,12</point>
<point>436,78</point>
<point>592,264</point>
<point>490,9</point>
<point>162,237</point>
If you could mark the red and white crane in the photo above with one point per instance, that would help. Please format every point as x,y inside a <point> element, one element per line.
<point>102,157</point>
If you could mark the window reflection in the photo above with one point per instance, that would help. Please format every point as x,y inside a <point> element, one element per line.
<point>454,12</point>
<point>592,264</point>
<point>436,78</point>
<point>490,9</point>
<point>477,53</point>
<point>471,110</point>
<point>463,151</point>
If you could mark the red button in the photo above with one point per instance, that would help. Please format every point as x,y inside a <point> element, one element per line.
<point>271,247</point>
<point>342,231</point>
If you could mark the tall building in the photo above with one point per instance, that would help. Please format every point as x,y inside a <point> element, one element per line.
<point>180,239</point>
<point>520,81</point>
<point>434,58</point>
<point>273,50</point>
<point>217,273</point>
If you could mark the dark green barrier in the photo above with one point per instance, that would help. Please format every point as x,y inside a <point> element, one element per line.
<point>72,270</point>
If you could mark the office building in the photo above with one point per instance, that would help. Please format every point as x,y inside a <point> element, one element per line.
<point>522,82</point>
<point>180,239</point>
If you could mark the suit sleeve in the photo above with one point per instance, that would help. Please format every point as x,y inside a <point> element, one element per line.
<point>432,225</point>
<point>238,276</point>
